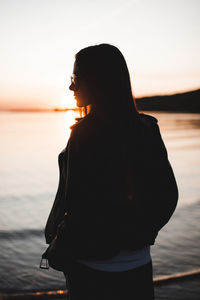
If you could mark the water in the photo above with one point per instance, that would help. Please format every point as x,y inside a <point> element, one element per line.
<point>30,144</point>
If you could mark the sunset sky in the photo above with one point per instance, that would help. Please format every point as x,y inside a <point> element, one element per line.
<point>160,40</point>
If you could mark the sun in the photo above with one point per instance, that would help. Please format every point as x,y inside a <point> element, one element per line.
<point>67,102</point>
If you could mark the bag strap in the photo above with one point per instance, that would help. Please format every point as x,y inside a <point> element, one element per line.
<point>67,203</point>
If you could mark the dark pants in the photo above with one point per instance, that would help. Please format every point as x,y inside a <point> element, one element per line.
<point>88,284</point>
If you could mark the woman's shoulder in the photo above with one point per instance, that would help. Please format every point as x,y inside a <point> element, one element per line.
<point>83,124</point>
<point>147,127</point>
<point>146,123</point>
<point>85,135</point>
<point>89,130</point>
<point>147,119</point>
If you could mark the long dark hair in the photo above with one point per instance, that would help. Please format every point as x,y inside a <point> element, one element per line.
<point>104,69</point>
<point>106,74</point>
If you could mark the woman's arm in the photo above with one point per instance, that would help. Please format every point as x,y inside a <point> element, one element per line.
<point>57,209</point>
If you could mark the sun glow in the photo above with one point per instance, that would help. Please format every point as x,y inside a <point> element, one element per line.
<point>67,102</point>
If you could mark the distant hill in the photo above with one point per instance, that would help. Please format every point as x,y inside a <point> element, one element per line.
<point>183,102</point>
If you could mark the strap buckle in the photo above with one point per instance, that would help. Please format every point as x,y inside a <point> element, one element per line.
<point>44,264</point>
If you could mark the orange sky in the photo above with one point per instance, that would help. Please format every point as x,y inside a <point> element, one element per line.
<point>159,39</point>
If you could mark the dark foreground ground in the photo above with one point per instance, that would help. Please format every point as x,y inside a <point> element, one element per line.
<point>181,290</point>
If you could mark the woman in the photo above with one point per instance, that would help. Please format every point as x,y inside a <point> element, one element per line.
<point>120,186</point>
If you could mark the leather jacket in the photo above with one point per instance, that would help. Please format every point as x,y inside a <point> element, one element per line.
<point>119,195</point>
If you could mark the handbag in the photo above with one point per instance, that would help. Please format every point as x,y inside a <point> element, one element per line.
<point>59,254</point>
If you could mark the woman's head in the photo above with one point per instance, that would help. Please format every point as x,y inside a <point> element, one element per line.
<point>101,78</point>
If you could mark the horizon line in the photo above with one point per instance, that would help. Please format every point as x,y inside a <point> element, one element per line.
<point>57,109</point>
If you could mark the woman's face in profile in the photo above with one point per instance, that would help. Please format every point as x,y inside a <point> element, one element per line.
<point>80,88</point>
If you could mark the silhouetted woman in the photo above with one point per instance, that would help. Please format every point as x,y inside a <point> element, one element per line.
<point>121,188</point>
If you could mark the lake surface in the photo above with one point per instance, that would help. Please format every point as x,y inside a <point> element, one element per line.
<point>30,144</point>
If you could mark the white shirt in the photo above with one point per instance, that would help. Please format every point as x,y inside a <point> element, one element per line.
<point>124,261</point>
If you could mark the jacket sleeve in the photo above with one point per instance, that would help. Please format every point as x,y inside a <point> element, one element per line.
<point>167,190</point>
<point>155,193</point>
<point>57,209</point>
<point>158,192</point>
